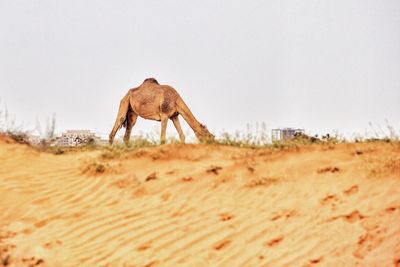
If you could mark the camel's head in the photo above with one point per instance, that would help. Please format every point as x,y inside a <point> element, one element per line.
<point>204,135</point>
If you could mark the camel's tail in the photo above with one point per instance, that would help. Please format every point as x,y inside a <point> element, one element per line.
<point>200,130</point>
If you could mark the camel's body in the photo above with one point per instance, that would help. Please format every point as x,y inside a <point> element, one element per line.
<point>153,101</point>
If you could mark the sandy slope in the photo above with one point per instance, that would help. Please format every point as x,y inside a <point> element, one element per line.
<point>202,206</point>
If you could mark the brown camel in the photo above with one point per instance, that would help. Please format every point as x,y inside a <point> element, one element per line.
<point>153,101</point>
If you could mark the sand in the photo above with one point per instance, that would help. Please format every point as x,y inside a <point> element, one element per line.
<point>198,205</point>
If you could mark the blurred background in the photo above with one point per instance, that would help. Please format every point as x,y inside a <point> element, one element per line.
<point>325,66</point>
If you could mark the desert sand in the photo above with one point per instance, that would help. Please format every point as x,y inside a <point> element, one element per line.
<point>201,205</point>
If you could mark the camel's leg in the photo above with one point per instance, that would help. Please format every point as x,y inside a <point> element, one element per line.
<point>164,122</point>
<point>177,124</point>
<point>123,109</point>
<point>132,118</point>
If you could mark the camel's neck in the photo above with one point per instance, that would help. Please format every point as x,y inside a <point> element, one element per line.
<point>194,124</point>
<point>188,116</point>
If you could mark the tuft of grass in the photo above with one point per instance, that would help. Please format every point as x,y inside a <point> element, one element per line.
<point>115,151</point>
<point>388,164</point>
<point>253,137</point>
<point>263,141</point>
<point>95,168</point>
<point>9,127</point>
<point>19,137</point>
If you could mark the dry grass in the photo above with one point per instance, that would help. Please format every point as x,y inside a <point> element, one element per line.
<point>257,137</point>
<point>381,166</point>
<point>232,140</point>
<point>115,151</point>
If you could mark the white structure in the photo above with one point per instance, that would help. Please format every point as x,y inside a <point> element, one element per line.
<point>76,138</point>
<point>34,139</point>
<point>285,133</point>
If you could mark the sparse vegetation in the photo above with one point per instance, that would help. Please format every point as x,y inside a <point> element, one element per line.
<point>378,165</point>
<point>9,127</point>
<point>16,132</point>
<point>95,168</point>
<point>115,151</point>
<point>261,139</point>
<point>257,137</point>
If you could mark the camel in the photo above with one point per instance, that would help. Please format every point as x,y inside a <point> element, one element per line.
<point>153,101</point>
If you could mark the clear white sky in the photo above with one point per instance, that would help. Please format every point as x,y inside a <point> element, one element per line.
<point>319,65</point>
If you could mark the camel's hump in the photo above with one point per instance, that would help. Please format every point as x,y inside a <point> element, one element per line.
<point>151,80</point>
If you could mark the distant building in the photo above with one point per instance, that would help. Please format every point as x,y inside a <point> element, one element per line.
<point>77,138</point>
<point>284,134</point>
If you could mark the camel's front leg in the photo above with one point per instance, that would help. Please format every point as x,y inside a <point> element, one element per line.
<point>177,125</point>
<point>164,122</point>
<point>132,118</point>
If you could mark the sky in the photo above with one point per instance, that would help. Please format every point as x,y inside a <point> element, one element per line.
<point>325,66</point>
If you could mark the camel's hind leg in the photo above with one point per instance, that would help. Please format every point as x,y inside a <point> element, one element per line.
<point>122,112</point>
<point>164,122</point>
<point>132,118</point>
<point>177,125</point>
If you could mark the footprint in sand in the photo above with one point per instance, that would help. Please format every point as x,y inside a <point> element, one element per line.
<point>214,169</point>
<point>392,209</point>
<point>370,240</point>
<point>315,260</point>
<point>328,169</point>
<point>250,169</point>
<point>222,244</point>
<point>5,254</point>
<point>41,223</point>
<point>170,172</point>
<point>331,200</point>
<point>225,217</point>
<point>284,214</point>
<point>151,177</point>
<point>143,247</point>
<point>33,261</point>
<point>275,241</point>
<point>151,264</point>
<point>396,262</point>
<point>187,179</point>
<point>353,216</point>
<point>351,191</point>
<point>51,244</point>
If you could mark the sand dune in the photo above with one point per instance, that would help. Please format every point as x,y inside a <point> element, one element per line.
<point>195,205</point>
